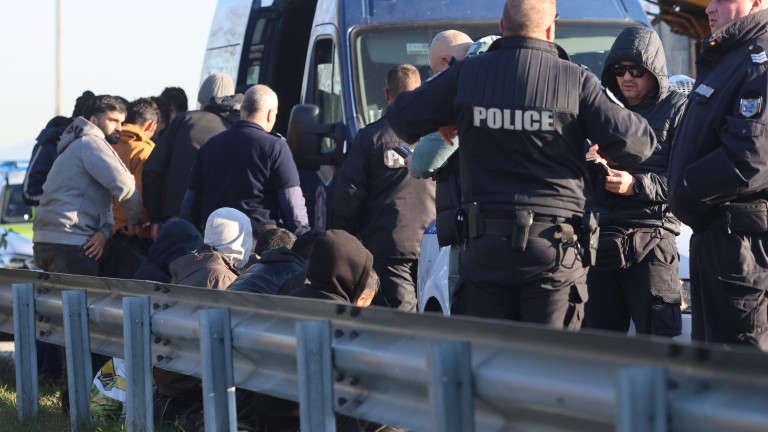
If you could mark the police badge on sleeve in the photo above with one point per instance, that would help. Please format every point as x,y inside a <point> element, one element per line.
<point>750,106</point>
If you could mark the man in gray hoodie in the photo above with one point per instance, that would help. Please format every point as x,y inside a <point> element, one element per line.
<point>74,219</point>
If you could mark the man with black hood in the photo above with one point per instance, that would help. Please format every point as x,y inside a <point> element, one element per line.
<point>636,275</point>
<point>718,177</point>
<point>339,268</point>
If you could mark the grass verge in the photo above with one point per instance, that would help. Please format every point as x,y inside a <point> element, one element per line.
<point>49,418</point>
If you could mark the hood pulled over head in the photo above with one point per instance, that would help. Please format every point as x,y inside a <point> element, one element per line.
<point>641,46</point>
<point>339,265</point>
<point>229,232</point>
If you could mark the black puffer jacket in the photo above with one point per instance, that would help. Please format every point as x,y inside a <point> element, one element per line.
<point>166,172</point>
<point>663,110</point>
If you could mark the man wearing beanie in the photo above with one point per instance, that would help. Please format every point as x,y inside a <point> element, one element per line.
<point>166,171</point>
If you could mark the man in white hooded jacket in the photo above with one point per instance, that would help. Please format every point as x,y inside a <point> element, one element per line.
<point>74,219</point>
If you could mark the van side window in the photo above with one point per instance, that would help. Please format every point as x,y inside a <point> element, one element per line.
<point>327,89</point>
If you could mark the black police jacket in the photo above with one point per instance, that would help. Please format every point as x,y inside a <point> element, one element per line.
<point>523,115</point>
<point>378,200</point>
<point>663,109</point>
<point>720,153</point>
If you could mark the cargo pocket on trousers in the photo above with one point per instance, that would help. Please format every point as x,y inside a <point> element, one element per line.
<point>666,318</point>
<point>744,307</point>
<point>575,313</point>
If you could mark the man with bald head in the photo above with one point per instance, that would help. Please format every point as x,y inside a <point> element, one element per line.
<point>523,115</point>
<point>249,169</point>
<point>717,177</point>
<point>447,46</point>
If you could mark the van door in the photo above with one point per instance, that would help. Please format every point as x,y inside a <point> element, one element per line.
<point>322,87</point>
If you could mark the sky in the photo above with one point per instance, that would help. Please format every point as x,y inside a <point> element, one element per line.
<point>129,48</point>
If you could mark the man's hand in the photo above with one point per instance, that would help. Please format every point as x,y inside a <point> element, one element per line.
<point>130,230</point>
<point>153,230</point>
<point>593,155</point>
<point>94,247</point>
<point>448,133</point>
<point>408,166</point>
<point>620,182</point>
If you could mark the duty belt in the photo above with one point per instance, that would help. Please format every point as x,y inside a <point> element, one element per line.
<point>498,226</point>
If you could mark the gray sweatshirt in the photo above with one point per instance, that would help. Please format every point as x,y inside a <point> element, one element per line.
<point>77,196</point>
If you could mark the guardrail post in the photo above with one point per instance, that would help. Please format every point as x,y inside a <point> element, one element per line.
<point>25,351</point>
<point>453,408</point>
<point>218,377</point>
<point>78,349</point>
<point>315,372</point>
<point>641,399</point>
<point>138,364</point>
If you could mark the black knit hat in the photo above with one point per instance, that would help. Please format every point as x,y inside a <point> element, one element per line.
<point>339,265</point>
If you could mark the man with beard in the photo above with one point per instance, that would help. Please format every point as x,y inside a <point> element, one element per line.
<point>74,219</point>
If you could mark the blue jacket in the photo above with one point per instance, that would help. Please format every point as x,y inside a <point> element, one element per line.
<point>251,170</point>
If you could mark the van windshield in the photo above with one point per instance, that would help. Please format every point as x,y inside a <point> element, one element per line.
<point>377,48</point>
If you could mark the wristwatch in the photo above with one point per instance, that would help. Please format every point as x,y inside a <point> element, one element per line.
<point>636,188</point>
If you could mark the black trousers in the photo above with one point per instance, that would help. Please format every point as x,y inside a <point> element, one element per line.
<point>647,292</point>
<point>544,284</point>
<point>398,283</point>
<point>69,259</point>
<point>729,278</point>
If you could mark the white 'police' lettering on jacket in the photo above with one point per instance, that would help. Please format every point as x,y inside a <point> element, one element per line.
<point>527,120</point>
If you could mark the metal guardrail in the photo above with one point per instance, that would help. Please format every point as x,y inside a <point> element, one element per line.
<point>419,372</point>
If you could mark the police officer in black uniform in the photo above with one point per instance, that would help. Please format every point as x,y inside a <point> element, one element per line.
<point>523,115</point>
<point>718,177</point>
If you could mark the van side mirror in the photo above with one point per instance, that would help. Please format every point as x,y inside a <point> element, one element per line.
<point>305,133</point>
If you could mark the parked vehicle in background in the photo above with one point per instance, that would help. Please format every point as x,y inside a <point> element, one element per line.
<point>15,218</point>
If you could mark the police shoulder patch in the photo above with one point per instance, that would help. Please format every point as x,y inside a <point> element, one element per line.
<point>704,90</point>
<point>757,53</point>
<point>750,104</point>
<point>613,97</point>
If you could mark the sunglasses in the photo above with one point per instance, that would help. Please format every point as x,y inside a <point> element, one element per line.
<point>635,71</point>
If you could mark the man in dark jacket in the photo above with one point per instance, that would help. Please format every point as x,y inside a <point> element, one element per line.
<point>636,275</point>
<point>376,199</point>
<point>275,264</point>
<point>249,169</point>
<point>166,171</point>
<point>717,178</point>
<point>340,269</point>
<point>176,238</point>
<point>522,115</point>
<point>44,152</point>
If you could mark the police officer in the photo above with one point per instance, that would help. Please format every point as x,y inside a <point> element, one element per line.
<point>523,115</point>
<point>636,273</point>
<point>718,180</point>
<point>376,199</point>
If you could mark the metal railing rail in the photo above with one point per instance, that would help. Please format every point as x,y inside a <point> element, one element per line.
<point>419,372</point>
